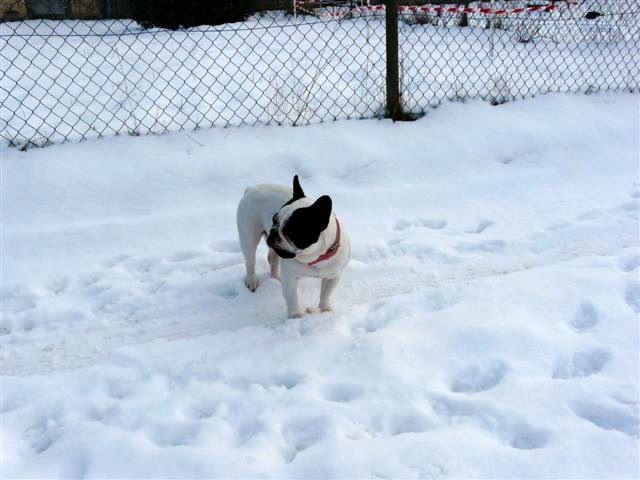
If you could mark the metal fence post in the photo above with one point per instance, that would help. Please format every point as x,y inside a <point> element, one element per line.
<point>394,108</point>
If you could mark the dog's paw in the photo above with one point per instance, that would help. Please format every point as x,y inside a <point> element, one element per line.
<point>295,315</point>
<point>326,308</point>
<point>311,310</point>
<point>275,275</point>
<point>251,281</point>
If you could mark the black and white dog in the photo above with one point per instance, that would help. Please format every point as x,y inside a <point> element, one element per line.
<point>305,234</point>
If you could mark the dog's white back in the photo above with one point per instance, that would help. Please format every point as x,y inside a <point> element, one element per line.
<point>258,206</point>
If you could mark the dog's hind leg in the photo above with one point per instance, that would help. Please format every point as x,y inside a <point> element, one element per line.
<point>274,263</point>
<point>248,244</point>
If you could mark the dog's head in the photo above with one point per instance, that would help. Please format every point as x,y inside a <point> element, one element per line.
<point>298,224</point>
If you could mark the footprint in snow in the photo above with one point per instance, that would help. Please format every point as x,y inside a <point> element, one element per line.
<point>508,428</point>
<point>89,279</point>
<point>433,223</point>
<point>585,319</point>
<point>632,296</point>
<point>142,265</point>
<point>630,209</point>
<point>156,287</point>
<point>525,437</point>
<point>228,292</point>
<point>202,408</point>
<point>302,434</point>
<point>288,379</point>
<point>343,392</point>
<point>584,363</point>
<point>43,435</point>
<point>97,289</point>
<point>506,160</point>
<point>59,285</point>
<point>629,263</point>
<point>490,246</point>
<point>481,227</point>
<point>608,417</point>
<point>630,206</point>
<point>17,299</point>
<point>558,226</point>
<point>173,432</point>
<point>374,324</point>
<point>376,318</point>
<point>478,378</point>
<point>408,422</point>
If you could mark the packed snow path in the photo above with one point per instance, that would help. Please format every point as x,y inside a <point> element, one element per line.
<point>487,325</point>
<point>138,299</point>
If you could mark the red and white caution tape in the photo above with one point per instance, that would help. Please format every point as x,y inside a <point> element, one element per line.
<point>482,10</point>
<point>440,9</point>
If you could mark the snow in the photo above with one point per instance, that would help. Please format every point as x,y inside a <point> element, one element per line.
<point>487,325</point>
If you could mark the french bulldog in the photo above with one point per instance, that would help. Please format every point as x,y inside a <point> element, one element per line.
<point>304,237</point>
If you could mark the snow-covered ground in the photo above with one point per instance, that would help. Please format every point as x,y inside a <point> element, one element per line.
<point>487,325</point>
<point>70,80</point>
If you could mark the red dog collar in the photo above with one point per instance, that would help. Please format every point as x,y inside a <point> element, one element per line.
<point>331,251</point>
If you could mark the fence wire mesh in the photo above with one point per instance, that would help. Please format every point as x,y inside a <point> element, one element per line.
<point>499,51</point>
<point>65,79</point>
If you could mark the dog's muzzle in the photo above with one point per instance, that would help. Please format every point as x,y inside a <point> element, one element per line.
<point>272,242</point>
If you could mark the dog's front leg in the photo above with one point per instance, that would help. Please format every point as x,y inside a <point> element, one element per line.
<point>326,289</point>
<point>290,293</point>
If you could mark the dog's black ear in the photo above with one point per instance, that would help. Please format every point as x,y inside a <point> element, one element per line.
<point>306,224</point>
<point>321,211</point>
<point>297,189</point>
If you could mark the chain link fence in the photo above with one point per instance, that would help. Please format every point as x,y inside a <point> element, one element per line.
<point>500,51</point>
<point>69,79</point>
